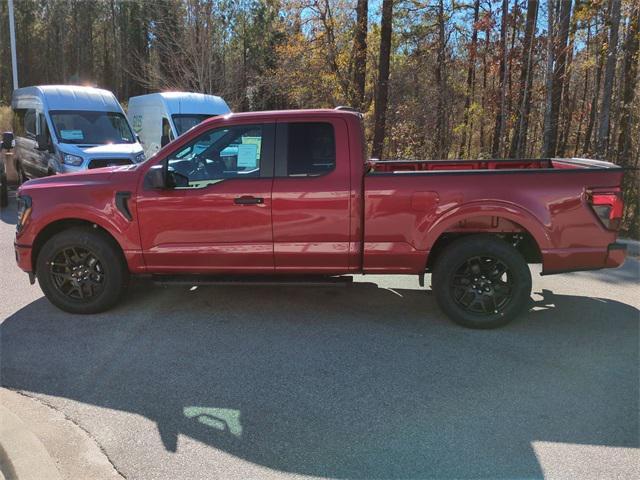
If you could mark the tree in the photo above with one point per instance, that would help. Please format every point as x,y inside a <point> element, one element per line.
<point>441,138</point>
<point>558,52</point>
<point>471,80</point>
<point>630,81</point>
<point>382,87</point>
<point>602,140</point>
<point>519,139</point>
<point>499,129</point>
<point>360,54</point>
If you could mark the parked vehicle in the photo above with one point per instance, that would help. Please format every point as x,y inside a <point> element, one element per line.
<point>298,202</point>
<point>158,118</point>
<point>62,128</point>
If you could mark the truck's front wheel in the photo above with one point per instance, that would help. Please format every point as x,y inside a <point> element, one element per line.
<point>80,270</point>
<point>481,281</point>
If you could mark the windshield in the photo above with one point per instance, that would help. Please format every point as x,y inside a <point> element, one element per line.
<point>188,121</point>
<point>91,128</point>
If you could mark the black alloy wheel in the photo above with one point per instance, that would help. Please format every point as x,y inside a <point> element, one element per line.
<point>482,285</point>
<point>77,273</point>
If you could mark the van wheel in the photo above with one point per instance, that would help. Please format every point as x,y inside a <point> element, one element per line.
<point>480,281</point>
<point>80,270</point>
<point>4,191</point>
<point>20,176</point>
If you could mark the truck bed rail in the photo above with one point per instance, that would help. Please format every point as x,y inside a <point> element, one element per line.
<point>482,165</point>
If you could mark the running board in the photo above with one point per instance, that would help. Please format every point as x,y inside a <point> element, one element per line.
<point>254,280</point>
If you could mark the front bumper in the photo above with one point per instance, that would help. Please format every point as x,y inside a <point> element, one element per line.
<point>23,257</point>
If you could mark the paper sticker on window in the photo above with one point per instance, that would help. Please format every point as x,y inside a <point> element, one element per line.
<point>247,156</point>
<point>72,134</point>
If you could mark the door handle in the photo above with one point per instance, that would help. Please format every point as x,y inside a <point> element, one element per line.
<point>248,200</point>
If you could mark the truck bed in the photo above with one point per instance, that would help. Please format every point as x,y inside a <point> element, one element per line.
<point>409,205</point>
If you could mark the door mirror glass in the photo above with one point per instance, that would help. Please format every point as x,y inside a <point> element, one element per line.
<point>164,140</point>
<point>7,140</point>
<point>156,177</point>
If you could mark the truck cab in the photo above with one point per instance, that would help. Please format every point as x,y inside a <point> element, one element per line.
<point>159,118</point>
<point>63,129</point>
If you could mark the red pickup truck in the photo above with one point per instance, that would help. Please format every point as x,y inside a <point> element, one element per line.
<point>290,196</point>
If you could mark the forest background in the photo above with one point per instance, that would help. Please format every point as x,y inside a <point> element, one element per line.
<point>435,78</point>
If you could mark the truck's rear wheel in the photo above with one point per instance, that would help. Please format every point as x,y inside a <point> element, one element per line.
<point>81,271</point>
<point>481,281</point>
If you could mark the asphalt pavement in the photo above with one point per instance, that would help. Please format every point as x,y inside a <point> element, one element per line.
<point>367,381</point>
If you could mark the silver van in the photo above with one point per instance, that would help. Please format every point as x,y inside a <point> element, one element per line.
<point>63,128</point>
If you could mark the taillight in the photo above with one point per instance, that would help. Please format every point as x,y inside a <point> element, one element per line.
<point>608,206</point>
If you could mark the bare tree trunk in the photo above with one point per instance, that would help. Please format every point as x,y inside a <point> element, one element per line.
<point>498,133</point>
<point>568,99</point>
<point>471,79</point>
<point>602,140</point>
<point>593,108</point>
<point>382,92</point>
<point>360,54</point>
<point>519,140</point>
<point>441,145</point>
<point>483,102</point>
<point>559,54</point>
<point>630,75</point>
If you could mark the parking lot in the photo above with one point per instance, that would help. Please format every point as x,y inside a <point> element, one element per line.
<point>366,381</point>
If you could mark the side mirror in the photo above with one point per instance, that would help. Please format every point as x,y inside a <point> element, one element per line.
<point>43,142</point>
<point>164,140</point>
<point>156,177</point>
<point>7,140</point>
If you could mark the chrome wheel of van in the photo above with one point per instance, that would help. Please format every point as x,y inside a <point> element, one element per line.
<point>77,273</point>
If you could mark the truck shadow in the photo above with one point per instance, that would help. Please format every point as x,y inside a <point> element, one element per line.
<point>359,382</point>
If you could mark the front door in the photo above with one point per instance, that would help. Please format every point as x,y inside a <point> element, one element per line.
<point>217,218</point>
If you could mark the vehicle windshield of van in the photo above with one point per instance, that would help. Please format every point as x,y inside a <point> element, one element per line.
<point>184,122</point>
<point>91,128</point>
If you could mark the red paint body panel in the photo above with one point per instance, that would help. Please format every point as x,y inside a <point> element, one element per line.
<point>346,221</point>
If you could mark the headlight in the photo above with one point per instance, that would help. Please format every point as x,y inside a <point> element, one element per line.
<point>24,210</point>
<point>73,160</point>
<point>140,158</point>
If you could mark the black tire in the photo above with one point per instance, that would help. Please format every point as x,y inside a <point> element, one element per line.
<point>4,191</point>
<point>20,176</point>
<point>80,282</point>
<point>480,281</point>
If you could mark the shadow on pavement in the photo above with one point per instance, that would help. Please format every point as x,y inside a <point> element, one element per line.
<point>358,382</point>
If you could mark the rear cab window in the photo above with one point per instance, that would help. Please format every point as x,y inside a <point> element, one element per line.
<point>310,148</point>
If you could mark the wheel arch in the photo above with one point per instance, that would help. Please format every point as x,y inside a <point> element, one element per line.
<point>61,225</point>
<point>507,221</point>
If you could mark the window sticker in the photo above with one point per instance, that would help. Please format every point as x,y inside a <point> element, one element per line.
<point>72,134</point>
<point>247,156</point>
<point>253,141</point>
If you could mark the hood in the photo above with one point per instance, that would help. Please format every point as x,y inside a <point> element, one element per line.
<point>117,149</point>
<point>99,176</point>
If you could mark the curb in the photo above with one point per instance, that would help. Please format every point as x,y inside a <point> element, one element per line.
<point>22,454</point>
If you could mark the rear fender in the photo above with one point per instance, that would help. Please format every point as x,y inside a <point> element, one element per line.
<point>527,220</point>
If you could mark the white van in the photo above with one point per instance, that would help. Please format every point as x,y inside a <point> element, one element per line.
<point>65,128</point>
<point>158,118</point>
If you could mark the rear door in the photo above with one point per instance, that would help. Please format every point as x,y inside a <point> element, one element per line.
<point>311,197</point>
